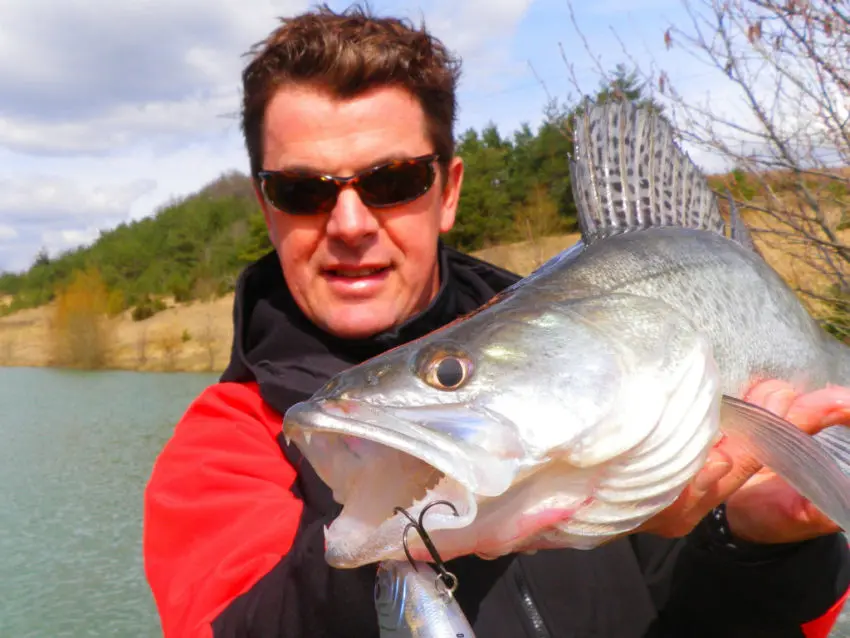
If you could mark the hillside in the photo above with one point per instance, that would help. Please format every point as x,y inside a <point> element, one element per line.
<point>189,249</point>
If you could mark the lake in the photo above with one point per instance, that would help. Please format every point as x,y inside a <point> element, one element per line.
<point>77,449</point>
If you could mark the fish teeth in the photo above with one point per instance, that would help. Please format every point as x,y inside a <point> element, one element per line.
<point>287,438</point>
<point>307,436</point>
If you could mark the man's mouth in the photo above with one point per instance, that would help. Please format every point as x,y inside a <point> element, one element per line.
<point>356,273</point>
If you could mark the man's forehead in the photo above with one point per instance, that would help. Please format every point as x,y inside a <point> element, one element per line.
<point>311,130</point>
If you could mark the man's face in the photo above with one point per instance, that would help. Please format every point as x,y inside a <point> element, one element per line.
<point>356,271</point>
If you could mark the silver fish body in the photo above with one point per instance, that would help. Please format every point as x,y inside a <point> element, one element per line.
<point>411,604</point>
<point>583,399</point>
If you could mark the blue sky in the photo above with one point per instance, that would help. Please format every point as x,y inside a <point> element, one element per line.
<point>108,110</point>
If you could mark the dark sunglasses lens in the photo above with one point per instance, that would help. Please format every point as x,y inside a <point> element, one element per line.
<point>300,195</point>
<point>396,183</point>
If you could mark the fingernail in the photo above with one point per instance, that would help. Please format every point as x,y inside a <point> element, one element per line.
<point>710,474</point>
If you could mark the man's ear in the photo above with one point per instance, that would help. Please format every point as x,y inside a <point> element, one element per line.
<point>451,194</point>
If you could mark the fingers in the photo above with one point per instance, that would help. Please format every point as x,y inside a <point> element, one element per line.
<point>715,469</point>
<point>820,409</point>
<point>743,466</point>
<point>811,412</point>
<point>726,470</point>
<point>774,396</point>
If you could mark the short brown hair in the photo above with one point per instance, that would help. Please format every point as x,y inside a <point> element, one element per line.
<point>348,54</point>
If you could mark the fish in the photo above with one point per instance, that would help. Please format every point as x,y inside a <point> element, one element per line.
<point>411,602</point>
<point>582,400</point>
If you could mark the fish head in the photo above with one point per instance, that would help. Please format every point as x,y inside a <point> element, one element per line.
<point>508,418</point>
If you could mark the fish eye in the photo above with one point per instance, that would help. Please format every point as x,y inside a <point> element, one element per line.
<point>447,372</point>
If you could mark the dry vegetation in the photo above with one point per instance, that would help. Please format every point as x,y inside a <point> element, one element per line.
<point>186,337</point>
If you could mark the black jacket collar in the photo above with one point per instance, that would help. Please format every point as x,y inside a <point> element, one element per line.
<point>276,345</point>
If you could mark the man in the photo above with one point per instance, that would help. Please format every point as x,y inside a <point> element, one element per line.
<point>234,517</point>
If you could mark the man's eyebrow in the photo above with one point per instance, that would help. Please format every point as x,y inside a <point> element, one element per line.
<point>299,167</point>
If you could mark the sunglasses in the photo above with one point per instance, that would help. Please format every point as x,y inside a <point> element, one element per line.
<point>392,184</point>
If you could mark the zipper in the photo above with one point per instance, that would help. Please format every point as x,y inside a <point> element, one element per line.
<point>537,626</point>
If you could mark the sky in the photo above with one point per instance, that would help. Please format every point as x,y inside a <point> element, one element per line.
<point>110,110</point>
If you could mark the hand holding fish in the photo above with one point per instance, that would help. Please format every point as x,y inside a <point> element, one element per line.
<point>766,509</point>
<point>760,506</point>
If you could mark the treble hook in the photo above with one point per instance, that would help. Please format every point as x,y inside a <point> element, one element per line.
<point>448,579</point>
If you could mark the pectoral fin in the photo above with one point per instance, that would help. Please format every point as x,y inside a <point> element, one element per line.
<point>813,468</point>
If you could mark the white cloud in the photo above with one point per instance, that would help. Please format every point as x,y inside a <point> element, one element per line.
<point>7,232</point>
<point>43,211</point>
<point>95,75</point>
<point>480,31</point>
<point>92,76</point>
<point>45,199</point>
<point>124,125</point>
<point>58,240</point>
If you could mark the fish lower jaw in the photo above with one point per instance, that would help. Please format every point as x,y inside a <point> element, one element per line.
<point>361,535</point>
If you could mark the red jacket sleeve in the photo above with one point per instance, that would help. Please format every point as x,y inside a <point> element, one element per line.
<point>820,627</point>
<point>218,510</point>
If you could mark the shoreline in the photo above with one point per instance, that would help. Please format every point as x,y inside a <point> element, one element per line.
<point>191,337</point>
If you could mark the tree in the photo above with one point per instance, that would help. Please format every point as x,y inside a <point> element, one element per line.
<point>79,329</point>
<point>787,67</point>
<point>484,213</point>
<point>42,258</point>
<point>626,84</point>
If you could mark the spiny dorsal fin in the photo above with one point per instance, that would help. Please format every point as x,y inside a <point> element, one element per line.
<point>630,174</point>
<point>738,229</point>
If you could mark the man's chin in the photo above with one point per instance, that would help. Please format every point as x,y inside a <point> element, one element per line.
<point>363,322</point>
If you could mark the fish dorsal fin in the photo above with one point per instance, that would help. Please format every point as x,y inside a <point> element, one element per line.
<point>629,174</point>
<point>738,229</point>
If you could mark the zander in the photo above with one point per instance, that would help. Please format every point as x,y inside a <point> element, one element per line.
<point>583,399</point>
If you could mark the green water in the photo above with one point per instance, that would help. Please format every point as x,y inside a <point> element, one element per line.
<point>76,450</point>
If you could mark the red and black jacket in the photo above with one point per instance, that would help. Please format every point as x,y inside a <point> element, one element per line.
<point>233,518</point>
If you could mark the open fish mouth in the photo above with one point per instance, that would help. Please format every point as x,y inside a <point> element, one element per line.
<point>376,459</point>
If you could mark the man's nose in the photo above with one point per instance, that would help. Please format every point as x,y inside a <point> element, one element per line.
<point>351,221</point>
